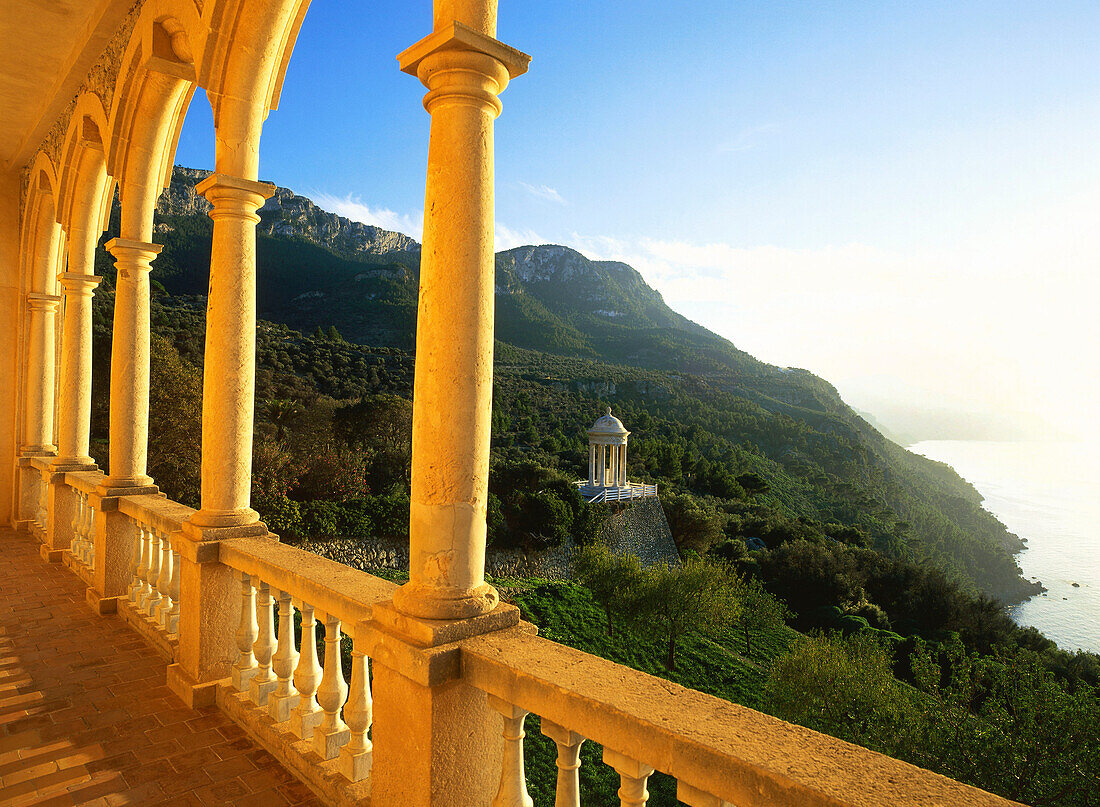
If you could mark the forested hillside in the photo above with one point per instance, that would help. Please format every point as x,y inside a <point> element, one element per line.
<point>338,304</point>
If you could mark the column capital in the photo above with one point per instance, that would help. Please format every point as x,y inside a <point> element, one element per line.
<point>77,283</point>
<point>135,253</point>
<point>457,37</point>
<point>459,64</point>
<point>234,196</point>
<point>37,301</point>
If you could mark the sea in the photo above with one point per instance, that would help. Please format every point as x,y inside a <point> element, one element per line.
<point>1048,493</point>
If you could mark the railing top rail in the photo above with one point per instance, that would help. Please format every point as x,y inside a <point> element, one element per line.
<point>84,481</point>
<point>330,587</point>
<point>41,462</point>
<point>156,511</point>
<point>730,751</point>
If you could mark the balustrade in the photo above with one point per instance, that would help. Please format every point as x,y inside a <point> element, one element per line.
<point>322,701</point>
<point>311,699</point>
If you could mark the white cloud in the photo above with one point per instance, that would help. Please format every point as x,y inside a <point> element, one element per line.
<point>354,208</point>
<point>507,238</point>
<point>543,192</point>
<point>1002,321</point>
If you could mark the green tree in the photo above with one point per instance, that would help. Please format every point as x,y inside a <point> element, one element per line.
<point>615,581</point>
<point>695,526</point>
<point>695,597</point>
<point>175,422</point>
<point>759,611</point>
<point>842,686</point>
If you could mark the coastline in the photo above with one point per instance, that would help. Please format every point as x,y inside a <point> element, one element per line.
<point>1048,494</point>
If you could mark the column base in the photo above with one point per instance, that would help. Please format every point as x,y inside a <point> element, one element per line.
<point>431,602</point>
<point>100,604</point>
<point>63,464</point>
<point>225,518</point>
<point>113,487</point>
<point>127,482</point>
<point>50,555</point>
<point>194,696</point>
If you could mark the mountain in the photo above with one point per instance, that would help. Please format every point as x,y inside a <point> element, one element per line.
<point>575,334</point>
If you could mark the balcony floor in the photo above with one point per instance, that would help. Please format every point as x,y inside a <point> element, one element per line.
<point>85,716</point>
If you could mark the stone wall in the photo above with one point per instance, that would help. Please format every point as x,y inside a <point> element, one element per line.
<point>371,553</point>
<point>641,529</point>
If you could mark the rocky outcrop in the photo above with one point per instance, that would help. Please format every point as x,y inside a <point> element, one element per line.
<point>289,215</point>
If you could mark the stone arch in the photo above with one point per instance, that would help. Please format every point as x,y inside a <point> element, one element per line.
<point>242,70</point>
<point>40,236</point>
<point>85,187</point>
<point>154,88</point>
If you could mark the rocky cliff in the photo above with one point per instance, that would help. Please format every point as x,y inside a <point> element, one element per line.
<point>289,215</point>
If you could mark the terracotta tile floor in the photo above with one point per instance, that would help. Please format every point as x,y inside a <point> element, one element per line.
<point>85,717</point>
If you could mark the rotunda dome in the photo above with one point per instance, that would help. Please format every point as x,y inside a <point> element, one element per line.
<point>608,424</point>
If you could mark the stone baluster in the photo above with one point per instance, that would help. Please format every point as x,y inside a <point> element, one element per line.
<point>569,763</point>
<point>78,511</point>
<point>152,596</point>
<point>141,553</point>
<point>41,514</point>
<point>89,538</point>
<point>263,683</point>
<point>80,547</point>
<point>285,697</point>
<point>246,668</point>
<point>633,776</point>
<point>332,733</point>
<point>307,677</point>
<point>513,781</point>
<point>164,582</point>
<point>356,756</point>
<point>694,797</point>
<point>172,619</point>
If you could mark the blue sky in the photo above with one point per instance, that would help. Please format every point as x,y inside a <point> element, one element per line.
<point>902,197</point>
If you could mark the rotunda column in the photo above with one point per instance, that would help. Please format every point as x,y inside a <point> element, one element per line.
<point>129,419</point>
<point>464,71</point>
<point>591,464</point>
<point>622,466</point>
<point>229,366</point>
<point>74,400</point>
<point>39,400</point>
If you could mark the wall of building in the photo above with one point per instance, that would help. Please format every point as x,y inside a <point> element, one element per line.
<point>9,334</point>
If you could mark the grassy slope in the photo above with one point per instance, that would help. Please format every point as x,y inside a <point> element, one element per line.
<point>566,613</point>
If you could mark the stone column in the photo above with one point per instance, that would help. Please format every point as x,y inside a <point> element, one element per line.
<point>464,71</point>
<point>41,336</point>
<point>591,464</point>
<point>602,475</point>
<point>74,400</point>
<point>129,421</point>
<point>206,643</point>
<point>622,466</point>
<point>229,372</point>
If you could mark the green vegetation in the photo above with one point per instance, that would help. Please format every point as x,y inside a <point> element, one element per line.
<point>790,511</point>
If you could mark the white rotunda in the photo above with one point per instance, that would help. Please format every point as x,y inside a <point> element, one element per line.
<point>607,439</point>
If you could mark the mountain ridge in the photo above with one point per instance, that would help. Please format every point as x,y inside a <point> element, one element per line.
<point>597,330</point>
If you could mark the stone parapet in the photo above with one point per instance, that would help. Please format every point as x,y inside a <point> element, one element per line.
<point>726,752</point>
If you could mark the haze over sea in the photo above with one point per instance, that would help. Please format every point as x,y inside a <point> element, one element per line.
<point>1049,494</point>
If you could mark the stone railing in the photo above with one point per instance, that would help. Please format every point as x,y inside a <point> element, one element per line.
<point>81,556</point>
<point>720,754</point>
<point>310,704</point>
<point>306,713</point>
<point>39,523</point>
<point>152,602</point>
